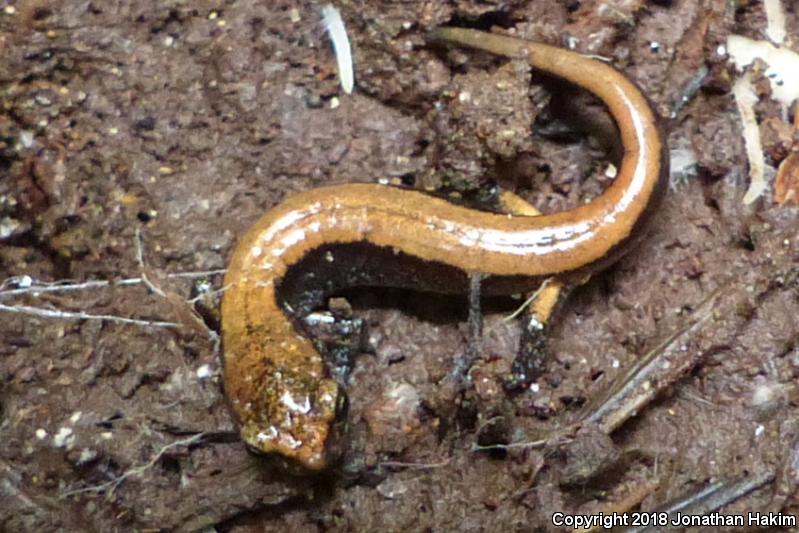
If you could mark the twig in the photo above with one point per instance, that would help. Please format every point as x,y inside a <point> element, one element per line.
<point>207,294</point>
<point>688,91</point>
<point>68,315</point>
<point>519,310</point>
<point>656,371</point>
<point>710,499</point>
<point>37,287</point>
<point>540,443</point>
<point>140,259</point>
<point>416,466</point>
<point>114,483</point>
<point>731,491</point>
<point>200,274</point>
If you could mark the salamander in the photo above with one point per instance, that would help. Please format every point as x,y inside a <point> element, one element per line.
<point>322,240</point>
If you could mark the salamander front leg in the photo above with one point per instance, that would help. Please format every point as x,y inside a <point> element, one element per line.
<point>474,348</point>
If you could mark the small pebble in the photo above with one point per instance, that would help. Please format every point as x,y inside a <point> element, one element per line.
<point>64,438</point>
<point>204,372</point>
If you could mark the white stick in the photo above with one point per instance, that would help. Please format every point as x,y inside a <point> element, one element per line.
<point>334,26</point>
<point>68,315</point>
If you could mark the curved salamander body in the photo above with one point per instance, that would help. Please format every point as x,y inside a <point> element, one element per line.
<point>275,379</point>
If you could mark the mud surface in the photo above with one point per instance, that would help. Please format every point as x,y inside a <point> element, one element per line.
<point>138,139</point>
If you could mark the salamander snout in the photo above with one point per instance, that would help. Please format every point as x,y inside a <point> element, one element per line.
<point>302,425</point>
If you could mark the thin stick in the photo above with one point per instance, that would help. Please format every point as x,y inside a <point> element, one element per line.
<point>140,259</point>
<point>68,315</point>
<point>415,466</point>
<point>519,310</point>
<point>37,287</point>
<point>114,483</point>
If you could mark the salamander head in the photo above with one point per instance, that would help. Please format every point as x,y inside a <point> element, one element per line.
<point>298,422</point>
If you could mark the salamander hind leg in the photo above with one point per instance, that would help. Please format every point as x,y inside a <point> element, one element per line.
<point>532,355</point>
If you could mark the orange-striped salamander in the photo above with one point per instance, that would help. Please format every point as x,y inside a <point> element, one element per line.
<point>325,239</point>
